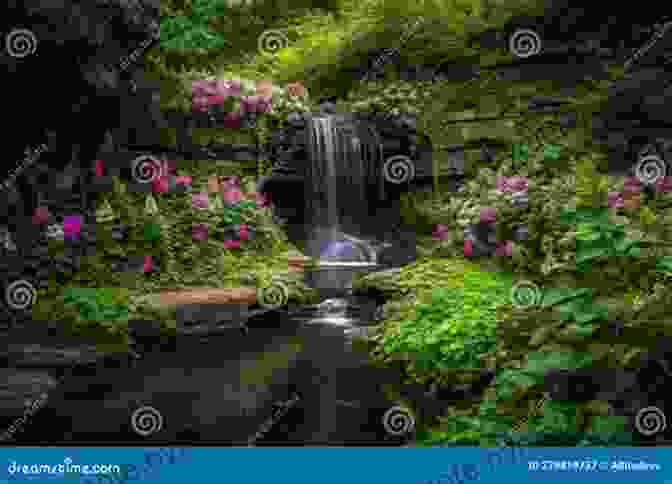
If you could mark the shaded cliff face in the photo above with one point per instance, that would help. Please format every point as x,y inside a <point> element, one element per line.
<point>69,63</point>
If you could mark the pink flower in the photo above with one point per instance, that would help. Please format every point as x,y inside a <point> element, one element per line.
<point>255,104</point>
<point>488,214</point>
<point>232,195</point>
<point>232,244</point>
<point>631,184</point>
<point>232,120</point>
<point>263,200</point>
<point>504,249</point>
<point>199,231</point>
<point>147,265</point>
<point>183,180</point>
<point>41,215</point>
<point>200,200</point>
<point>615,199</point>
<point>664,184</point>
<point>440,232</point>
<point>160,184</point>
<point>230,181</point>
<point>244,232</point>
<point>169,167</point>
<point>512,184</point>
<point>72,225</point>
<point>468,248</point>
<point>100,168</point>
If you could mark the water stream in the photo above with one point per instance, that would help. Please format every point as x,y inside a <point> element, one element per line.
<point>227,389</point>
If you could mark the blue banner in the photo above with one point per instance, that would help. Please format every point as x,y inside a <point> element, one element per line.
<point>337,465</point>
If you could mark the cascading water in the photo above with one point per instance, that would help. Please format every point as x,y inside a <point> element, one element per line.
<point>341,168</point>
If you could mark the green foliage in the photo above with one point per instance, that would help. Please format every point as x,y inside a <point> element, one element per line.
<point>455,326</point>
<point>597,237</point>
<point>575,305</point>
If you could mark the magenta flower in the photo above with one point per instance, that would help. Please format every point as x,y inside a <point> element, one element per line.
<point>232,120</point>
<point>244,232</point>
<point>440,232</point>
<point>72,225</point>
<point>664,184</point>
<point>631,184</point>
<point>504,249</point>
<point>147,265</point>
<point>183,180</point>
<point>488,215</point>
<point>468,248</point>
<point>200,200</point>
<point>232,195</point>
<point>232,244</point>
<point>100,168</point>
<point>255,104</point>
<point>199,231</point>
<point>160,184</point>
<point>263,200</point>
<point>230,181</point>
<point>512,184</point>
<point>615,200</point>
<point>41,215</point>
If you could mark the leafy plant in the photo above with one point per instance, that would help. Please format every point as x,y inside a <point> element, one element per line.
<point>575,304</point>
<point>597,237</point>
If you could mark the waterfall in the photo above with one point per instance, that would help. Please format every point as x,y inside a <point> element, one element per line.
<point>341,175</point>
